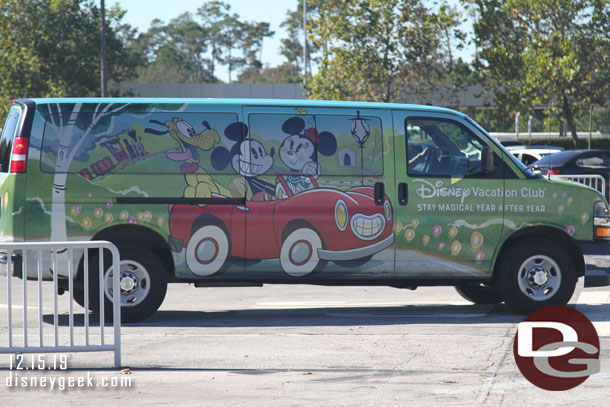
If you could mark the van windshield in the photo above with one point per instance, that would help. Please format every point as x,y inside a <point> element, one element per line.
<point>524,169</point>
<point>8,134</point>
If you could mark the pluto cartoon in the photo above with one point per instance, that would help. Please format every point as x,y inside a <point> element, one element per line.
<point>200,184</point>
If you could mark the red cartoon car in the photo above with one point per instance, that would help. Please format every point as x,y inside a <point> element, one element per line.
<point>304,230</point>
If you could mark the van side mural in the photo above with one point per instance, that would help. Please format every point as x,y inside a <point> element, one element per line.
<point>298,151</point>
<point>199,183</point>
<point>304,226</point>
<point>247,158</point>
<point>72,131</point>
<point>324,214</point>
<point>304,231</point>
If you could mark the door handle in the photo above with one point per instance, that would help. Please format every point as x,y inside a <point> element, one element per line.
<point>403,193</point>
<point>379,193</point>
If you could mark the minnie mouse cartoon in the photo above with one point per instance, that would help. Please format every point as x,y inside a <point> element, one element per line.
<point>298,151</point>
<point>248,158</point>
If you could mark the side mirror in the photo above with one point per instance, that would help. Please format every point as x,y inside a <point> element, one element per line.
<point>487,160</point>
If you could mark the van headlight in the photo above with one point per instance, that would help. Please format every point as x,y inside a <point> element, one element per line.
<point>601,221</point>
<point>341,215</point>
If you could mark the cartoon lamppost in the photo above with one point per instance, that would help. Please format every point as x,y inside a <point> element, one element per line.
<point>361,131</point>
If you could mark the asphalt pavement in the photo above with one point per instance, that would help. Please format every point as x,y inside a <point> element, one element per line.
<point>299,345</point>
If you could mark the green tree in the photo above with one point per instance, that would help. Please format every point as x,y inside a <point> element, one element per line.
<point>292,46</point>
<point>176,52</point>
<point>554,53</point>
<point>226,35</point>
<point>212,14</point>
<point>51,48</point>
<point>252,44</point>
<point>380,49</point>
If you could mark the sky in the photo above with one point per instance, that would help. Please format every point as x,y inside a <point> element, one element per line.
<point>140,13</point>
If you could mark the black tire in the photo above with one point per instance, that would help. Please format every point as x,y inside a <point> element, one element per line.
<point>144,270</point>
<point>534,273</point>
<point>79,294</point>
<point>479,293</point>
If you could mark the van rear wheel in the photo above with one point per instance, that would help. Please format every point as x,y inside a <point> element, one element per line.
<point>534,273</point>
<point>142,282</point>
<point>479,293</point>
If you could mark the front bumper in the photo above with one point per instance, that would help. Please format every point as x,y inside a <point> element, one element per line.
<point>353,254</point>
<point>597,263</point>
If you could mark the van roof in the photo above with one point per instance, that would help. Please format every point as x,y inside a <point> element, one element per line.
<point>253,102</point>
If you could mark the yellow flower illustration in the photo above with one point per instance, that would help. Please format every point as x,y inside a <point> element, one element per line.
<point>415,222</point>
<point>584,217</point>
<point>397,227</point>
<point>86,222</point>
<point>409,234</point>
<point>426,239</point>
<point>456,247</point>
<point>108,218</point>
<point>160,221</point>
<point>123,215</point>
<point>476,240</point>
<point>453,231</point>
<point>98,212</point>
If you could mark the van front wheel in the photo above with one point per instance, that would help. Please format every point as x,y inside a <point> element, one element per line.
<point>534,273</point>
<point>479,293</point>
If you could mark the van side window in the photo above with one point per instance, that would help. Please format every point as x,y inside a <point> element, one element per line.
<point>438,147</point>
<point>8,134</point>
<point>359,145</point>
<point>320,145</point>
<point>138,143</point>
<point>286,139</point>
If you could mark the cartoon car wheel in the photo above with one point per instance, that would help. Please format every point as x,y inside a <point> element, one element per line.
<point>207,250</point>
<point>299,254</point>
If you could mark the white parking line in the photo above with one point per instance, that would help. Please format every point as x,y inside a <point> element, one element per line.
<point>14,306</point>
<point>347,304</point>
<point>594,297</point>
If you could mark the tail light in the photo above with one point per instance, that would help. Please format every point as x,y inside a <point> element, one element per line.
<point>552,172</point>
<point>20,155</point>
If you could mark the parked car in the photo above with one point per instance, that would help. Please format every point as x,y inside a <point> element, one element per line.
<point>576,162</point>
<point>530,154</point>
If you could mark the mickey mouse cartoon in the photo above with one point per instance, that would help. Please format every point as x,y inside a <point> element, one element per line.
<point>248,158</point>
<point>298,151</point>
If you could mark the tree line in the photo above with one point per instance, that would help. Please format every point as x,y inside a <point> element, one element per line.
<point>530,53</point>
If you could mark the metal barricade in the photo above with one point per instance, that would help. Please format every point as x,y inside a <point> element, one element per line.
<point>594,181</point>
<point>66,251</point>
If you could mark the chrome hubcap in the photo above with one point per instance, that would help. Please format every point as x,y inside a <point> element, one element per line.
<point>128,283</point>
<point>134,283</point>
<point>539,277</point>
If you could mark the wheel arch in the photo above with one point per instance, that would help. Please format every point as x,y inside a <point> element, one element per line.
<point>207,219</point>
<point>143,235</point>
<point>554,234</point>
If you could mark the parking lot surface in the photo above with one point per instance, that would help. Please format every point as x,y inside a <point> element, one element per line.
<point>308,345</point>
